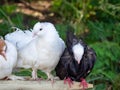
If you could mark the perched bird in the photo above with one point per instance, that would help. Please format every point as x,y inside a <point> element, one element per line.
<point>76,62</point>
<point>43,52</point>
<point>19,38</point>
<point>8,60</point>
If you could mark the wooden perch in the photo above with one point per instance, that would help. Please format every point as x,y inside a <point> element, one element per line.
<point>39,85</point>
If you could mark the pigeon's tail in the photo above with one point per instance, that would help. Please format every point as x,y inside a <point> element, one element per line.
<point>70,38</point>
<point>70,34</point>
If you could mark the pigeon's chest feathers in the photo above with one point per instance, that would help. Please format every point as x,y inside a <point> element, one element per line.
<point>48,45</point>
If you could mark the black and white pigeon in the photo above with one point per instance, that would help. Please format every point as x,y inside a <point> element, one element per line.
<point>76,62</point>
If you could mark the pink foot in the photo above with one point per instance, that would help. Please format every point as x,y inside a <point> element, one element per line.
<point>84,84</point>
<point>69,81</point>
<point>52,81</point>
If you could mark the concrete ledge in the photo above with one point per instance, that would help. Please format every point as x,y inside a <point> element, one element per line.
<point>38,85</point>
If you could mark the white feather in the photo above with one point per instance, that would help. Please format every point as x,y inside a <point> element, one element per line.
<point>19,38</point>
<point>78,51</point>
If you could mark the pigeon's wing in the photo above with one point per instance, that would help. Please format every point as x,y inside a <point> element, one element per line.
<point>62,67</point>
<point>73,68</point>
<point>87,63</point>
<point>19,38</point>
<point>91,57</point>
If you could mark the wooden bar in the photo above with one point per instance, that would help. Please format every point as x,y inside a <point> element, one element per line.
<point>39,85</point>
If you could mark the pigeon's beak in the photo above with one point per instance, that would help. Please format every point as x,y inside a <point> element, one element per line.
<point>3,54</point>
<point>78,62</point>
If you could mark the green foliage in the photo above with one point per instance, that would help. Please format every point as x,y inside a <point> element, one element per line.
<point>74,9</point>
<point>117,82</point>
<point>27,72</point>
<point>109,10</point>
<point>77,10</point>
<point>23,72</point>
<point>10,18</point>
<point>107,68</point>
<point>100,31</point>
<point>61,28</point>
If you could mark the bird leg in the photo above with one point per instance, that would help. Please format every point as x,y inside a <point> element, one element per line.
<point>83,83</point>
<point>34,75</point>
<point>69,81</point>
<point>50,77</point>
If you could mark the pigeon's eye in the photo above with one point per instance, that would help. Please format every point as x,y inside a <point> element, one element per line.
<point>40,29</point>
<point>74,41</point>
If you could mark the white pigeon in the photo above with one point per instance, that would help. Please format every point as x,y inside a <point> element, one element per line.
<point>19,37</point>
<point>8,62</point>
<point>43,52</point>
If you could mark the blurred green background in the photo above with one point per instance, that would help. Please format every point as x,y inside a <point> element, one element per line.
<point>97,22</point>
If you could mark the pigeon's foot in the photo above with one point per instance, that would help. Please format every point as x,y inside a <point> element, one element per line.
<point>69,81</point>
<point>52,78</point>
<point>34,74</point>
<point>38,79</point>
<point>35,79</point>
<point>84,84</point>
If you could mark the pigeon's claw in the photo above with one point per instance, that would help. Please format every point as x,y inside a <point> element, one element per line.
<point>69,81</point>
<point>38,79</point>
<point>84,84</point>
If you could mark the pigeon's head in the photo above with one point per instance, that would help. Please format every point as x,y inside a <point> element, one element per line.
<point>78,51</point>
<point>43,28</point>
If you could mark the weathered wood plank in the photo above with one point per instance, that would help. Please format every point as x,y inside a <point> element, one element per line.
<point>38,85</point>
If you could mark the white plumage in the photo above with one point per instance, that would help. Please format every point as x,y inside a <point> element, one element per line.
<point>78,51</point>
<point>19,38</point>
<point>43,52</point>
<point>6,66</point>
